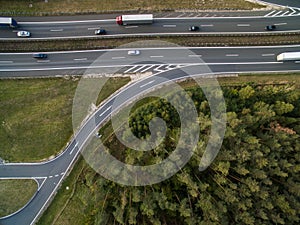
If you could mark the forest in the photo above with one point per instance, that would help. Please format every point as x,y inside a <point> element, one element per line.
<point>254,179</point>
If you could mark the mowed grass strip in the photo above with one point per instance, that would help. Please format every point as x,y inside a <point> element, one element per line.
<point>14,194</point>
<point>36,116</point>
<point>188,41</point>
<point>56,7</point>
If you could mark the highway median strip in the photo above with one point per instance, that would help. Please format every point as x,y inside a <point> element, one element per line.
<point>189,41</point>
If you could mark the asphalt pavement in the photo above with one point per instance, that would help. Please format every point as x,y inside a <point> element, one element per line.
<point>219,60</point>
<point>166,62</point>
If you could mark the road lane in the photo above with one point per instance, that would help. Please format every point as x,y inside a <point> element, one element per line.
<point>248,59</point>
<point>160,26</point>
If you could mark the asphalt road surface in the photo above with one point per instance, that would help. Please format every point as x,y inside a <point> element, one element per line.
<point>50,174</point>
<point>164,62</point>
<point>86,28</point>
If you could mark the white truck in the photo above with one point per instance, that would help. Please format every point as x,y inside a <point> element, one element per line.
<point>288,56</point>
<point>134,19</point>
<point>8,21</point>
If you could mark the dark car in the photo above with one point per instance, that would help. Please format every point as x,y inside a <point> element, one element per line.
<point>39,55</point>
<point>194,28</point>
<point>100,32</point>
<point>270,27</point>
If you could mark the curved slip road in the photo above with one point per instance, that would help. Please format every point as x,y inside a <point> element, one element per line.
<point>50,174</point>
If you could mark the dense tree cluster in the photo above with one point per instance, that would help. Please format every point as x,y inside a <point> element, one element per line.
<point>254,179</point>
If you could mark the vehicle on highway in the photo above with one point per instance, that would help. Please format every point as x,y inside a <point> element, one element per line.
<point>100,32</point>
<point>134,52</point>
<point>194,28</point>
<point>23,33</point>
<point>270,27</point>
<point>8,21</point>
<point>134,19</point>
<point>288,56</point>
<point>39,55</point>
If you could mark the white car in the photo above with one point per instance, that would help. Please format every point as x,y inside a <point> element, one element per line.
<point>23,33</point>
<point>134,52</point>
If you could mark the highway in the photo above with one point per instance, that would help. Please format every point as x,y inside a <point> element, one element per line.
<point>76,62</point>
<point>164,62</point>
<point>220,60</point>
<point>208,25</point>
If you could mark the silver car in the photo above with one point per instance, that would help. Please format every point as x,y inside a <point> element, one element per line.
<point>23,33</point>
<point>134,52</point>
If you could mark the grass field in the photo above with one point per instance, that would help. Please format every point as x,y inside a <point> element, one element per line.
<point>73,206</point>
<point>36,116</point>
<point>56,7</point>
<point>14,194</point>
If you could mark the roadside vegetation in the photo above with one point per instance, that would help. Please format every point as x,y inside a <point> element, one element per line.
<point>188,41</point>
<point>57,7</point>
<point>254,179</point>
<point>14,194</point>
<point>36,116</point>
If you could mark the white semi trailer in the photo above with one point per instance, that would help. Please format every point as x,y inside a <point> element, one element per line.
<point>288,56</point>
<point>134,19</point>
<point>8,21</point>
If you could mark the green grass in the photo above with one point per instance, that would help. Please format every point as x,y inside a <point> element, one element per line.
<point>111,85</point>
<point>76,205</point>
<point>188,41</point>
<point>14,194</point>
<point>57,7</point>
<point>36,116</point>
<point>64,196</point>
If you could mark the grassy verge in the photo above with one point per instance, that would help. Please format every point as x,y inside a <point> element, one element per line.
<point>189,41</point>
<point>57,7</point>
<point>10,198</point>
<point>72,207</point>
<point>36,116</point>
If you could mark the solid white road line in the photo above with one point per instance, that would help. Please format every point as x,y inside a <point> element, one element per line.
<point>148,68</point>
<point>73,148</point>
<point>105,111</point>
<point>232,55</point>
<point>81,59</point>
<point>267,54</point>
<point>278,24</point>
<point>287,12</point>
<point>131,68</point>
<point>195,55</point>
<point>206,25</point>
<point>131,27</point>
<point>41,61</point>
<point>147,84</point>
<point>6,61</point>
<point>58,30</point>
<point>121,57</point>
<point>155,69</point>
<point>156,56</point>
<point>270,13</point>
<point>159,70</point>
<point>170,25</point>
<point>293,11</point>
<point>276,13</point>
<point>139,68</point>
<point>243,25</point>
